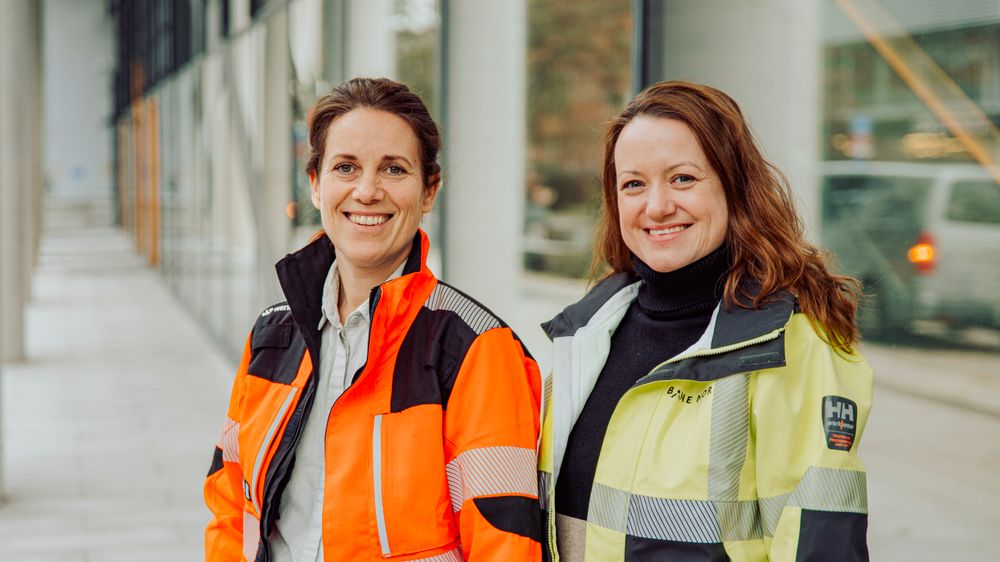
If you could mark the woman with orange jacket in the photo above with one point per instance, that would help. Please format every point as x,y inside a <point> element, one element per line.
<point>377,413</point>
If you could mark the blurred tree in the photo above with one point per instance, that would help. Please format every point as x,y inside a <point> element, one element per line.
<point>579,75</point>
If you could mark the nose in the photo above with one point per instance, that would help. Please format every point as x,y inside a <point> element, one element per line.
<point>660,202</point>
<point>367,190</point>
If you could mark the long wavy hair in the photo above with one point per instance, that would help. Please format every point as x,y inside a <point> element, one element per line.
<point>764,235</point>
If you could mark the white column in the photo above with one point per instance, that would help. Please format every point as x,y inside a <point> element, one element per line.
<point>484,135</point>
<point>275,226</point>
<point>766,55</point>
<point>19,173</point>
<point>371,39</point>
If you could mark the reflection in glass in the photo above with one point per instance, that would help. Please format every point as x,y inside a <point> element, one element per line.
<point>912,103</point>
<point>578,78</point>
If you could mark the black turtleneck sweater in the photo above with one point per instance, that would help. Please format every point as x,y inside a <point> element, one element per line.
<point>670,314</point>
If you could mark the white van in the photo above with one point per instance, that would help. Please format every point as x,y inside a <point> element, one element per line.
<point>923,238</point>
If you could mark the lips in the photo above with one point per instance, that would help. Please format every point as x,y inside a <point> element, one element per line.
<point>674,229</point>
<point>368,219</point>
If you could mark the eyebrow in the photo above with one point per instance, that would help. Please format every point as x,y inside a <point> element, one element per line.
<point>677,165</point>
<point>385,158</point>
<point>396,157</point>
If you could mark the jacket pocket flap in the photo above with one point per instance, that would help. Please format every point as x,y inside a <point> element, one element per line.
<point>274,335</point>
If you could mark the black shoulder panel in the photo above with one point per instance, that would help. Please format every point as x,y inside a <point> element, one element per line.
<point>832,535</point>
<point>429,359</point>
<point>276,346</point>
<point>216,462</point>
<point>514,514</point>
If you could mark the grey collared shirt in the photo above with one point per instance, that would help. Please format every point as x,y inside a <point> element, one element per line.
<point>298,534</point>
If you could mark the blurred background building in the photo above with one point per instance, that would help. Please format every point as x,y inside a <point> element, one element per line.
<point>184,123</point>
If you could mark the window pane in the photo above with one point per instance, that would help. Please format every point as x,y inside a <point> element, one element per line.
<point>975,201</point>
<point>578,78</point>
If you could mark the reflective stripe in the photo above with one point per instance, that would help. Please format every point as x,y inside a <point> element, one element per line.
<point>251,536</point>
<point>492,471</point>
<point>727,454</point>
<point>832,489</point>
<point>770,512</point>
<point>454,555</point>
<point>730,430</point>
<point>229,441</point>
<point>708,521</point>
<point>478,318</point>
<point>268,437</point>
<point>608,507</point>
<point>821,489</point>
<point>673,520</point>
<point>383,539</point>
<point>544,487</point>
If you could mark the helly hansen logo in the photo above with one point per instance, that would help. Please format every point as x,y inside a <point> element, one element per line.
<point>839,422</point>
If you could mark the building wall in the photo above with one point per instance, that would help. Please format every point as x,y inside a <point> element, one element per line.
<point>79,60</point>
<point>766,55</point>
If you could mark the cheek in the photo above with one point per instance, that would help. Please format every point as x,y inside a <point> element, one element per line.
<point>628,209</point>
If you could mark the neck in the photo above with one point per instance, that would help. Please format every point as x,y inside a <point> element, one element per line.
<point>356,283</point>
<point>691,290</point>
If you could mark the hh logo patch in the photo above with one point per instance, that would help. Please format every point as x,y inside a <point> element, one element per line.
<point>840,417</point>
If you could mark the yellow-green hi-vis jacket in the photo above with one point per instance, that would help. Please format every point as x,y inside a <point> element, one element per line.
<point>742,448</point>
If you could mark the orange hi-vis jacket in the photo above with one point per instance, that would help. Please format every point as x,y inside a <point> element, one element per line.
<point>430,453</point>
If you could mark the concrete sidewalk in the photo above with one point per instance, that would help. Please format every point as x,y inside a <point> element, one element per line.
<point>110,425</point>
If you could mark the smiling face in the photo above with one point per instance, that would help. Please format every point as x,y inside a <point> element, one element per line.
<point>370,191</point>
<point>671,204</point>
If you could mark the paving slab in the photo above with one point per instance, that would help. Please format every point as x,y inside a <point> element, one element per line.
<point>110,424</point>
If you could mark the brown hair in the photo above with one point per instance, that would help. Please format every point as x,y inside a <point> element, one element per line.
<point>764,235</point>
<point>384,95</point>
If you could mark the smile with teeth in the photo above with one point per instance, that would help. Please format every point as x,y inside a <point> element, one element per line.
<point>668,230</point>
<point>367,220</point>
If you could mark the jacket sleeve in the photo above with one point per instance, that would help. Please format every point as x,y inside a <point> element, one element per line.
<point>491,433</point>
<point>224,484</point>
<point>809,417</point>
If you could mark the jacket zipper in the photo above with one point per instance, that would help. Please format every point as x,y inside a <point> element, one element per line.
<point>265,445</point>
<point>715,351</point>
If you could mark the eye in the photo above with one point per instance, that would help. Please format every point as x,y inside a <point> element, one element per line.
<point>684,179</point>
<point>395,170</point>
<point>344,168</point>
<point>631,184</point>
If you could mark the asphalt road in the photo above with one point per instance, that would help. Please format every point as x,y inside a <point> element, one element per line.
<point>932,450</point>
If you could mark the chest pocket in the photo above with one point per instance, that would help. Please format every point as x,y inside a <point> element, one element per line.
<point>276,352</point>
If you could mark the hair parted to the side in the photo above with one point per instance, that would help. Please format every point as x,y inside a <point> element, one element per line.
<point>384,95</point>
<point>764,235</point>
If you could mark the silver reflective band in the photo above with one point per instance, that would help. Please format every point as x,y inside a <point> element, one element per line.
<point>544,486</point>
<point>229,441</point>
<point>708,521</point>
<point>383,539</point>
<point>492,471</point>
<point>266,444</point>
<point>444,297</point>
<point>730,431</point>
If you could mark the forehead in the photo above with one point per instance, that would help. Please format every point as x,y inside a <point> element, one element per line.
<point>648,138</point>
<point>366,132</point>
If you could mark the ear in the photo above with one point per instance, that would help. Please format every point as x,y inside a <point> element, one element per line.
<point>314,189</point>
<point>430,193</point>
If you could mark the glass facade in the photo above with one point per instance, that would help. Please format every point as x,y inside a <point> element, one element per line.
<point>912,100</point>
<point>578,78</point>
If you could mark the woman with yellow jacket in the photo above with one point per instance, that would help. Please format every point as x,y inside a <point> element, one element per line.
<point>707,399</point>
<point>377,413</point>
